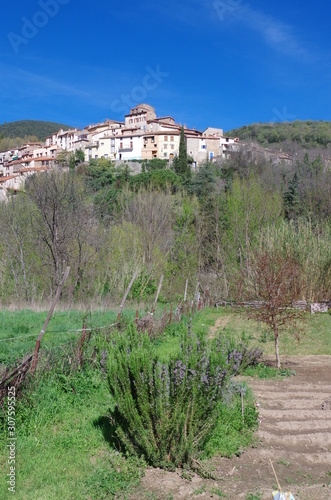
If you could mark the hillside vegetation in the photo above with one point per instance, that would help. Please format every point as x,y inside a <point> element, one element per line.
<point>307,134</point>
<point>207,227</point>
<point>14,134</point>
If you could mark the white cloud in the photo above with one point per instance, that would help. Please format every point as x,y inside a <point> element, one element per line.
<point>280,36</point>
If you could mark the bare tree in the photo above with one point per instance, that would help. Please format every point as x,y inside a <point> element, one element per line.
<point>152,211</point>
<point>14,239</point>
<point>274,281</point>
<point>63,222</point>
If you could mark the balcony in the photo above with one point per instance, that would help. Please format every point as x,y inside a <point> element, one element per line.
<point>125,150</point>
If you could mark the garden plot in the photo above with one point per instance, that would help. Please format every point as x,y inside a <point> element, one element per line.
<point>295,432</point>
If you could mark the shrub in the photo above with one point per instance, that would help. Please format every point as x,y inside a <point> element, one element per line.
<point>165,412</point>
<point>144,286</point>
<point>244,356</point>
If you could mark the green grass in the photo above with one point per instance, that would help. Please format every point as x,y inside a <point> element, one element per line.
<point>267,372</point>
<point>65,447</point>
<point>233,434</point>
<point>314,340</point>
<point>62,442</point>
<point>218,492</point>
<point>23,328</point>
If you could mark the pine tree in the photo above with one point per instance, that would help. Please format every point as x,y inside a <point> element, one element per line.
<point>292,198</point>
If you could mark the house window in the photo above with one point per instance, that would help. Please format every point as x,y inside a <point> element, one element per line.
<point>171,138</point>
<point>96,156</point>
<point>165,137</point>
<point>131,144</point>
<point>105,156</point>
<point>121,145</point>
<point>203,146</point>
<point>172,146</point>
<point>166,146</point>
<point>165,155</point>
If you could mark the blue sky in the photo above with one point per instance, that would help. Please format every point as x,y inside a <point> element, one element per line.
<point>221,63</point>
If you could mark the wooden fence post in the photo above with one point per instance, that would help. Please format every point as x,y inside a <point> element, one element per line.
<point>157,294</point>
<point>126,294</point>
<point>196,292</point>
<point>136,318</point>
<point>185,290</point>
<point>56,298</point>
<point>164,317</point>
<point>81,344</point>
<point>170,314</point>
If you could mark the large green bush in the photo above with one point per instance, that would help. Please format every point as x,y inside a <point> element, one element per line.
<point>166,411</point>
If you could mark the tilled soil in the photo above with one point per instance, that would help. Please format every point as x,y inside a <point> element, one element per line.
<point>295,433</point>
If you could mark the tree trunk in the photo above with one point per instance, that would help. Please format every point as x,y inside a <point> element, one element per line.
<point>277,347</point>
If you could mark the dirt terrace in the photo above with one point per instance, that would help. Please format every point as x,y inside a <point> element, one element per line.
<point>295,432</point>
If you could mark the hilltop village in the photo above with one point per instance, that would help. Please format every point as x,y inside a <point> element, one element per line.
<point>141,136</point>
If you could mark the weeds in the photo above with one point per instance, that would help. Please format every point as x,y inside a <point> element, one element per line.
<point>282,461</point>
<point>200,490</point>
<point>267,372</point>
<point>253,496</point>
<point>218,492</point>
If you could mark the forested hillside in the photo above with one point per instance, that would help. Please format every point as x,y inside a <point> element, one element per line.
<point>306,134</point>
<point>206,226</point>
<point>15,134</point>
<point>37,128</point>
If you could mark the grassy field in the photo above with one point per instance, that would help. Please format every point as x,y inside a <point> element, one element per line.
<point>315,338</point>
<point>61,449</point>
<point>19,329</point>
<point>64,446</point>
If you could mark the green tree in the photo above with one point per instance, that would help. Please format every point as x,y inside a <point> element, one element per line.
<point>180,163</point>
<point>292,199</point>
<point>249,209</point>
<point>63,159</point>
<point>76,158</point>
<point>183,256</point>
